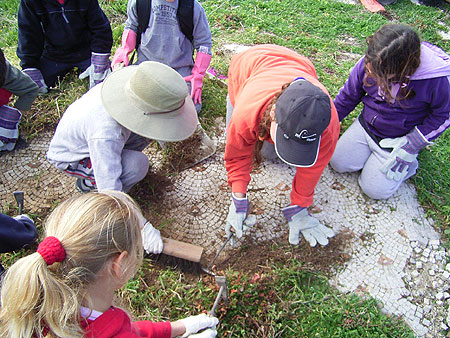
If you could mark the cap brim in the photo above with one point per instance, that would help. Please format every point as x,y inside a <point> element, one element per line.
<point>170,127</point>
<point>294,153</point>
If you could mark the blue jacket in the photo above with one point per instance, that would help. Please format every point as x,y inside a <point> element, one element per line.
<point>428,110</point>
<point>15,233</point>
<point>65,33</point>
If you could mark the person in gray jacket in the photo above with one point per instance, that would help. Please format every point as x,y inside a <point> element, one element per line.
<point>100,138</point>
<point>164,41</point>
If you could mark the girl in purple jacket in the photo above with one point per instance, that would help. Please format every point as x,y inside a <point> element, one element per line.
<point>404,85</point>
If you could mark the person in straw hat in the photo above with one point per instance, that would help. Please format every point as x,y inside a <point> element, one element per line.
<point>100,137</point>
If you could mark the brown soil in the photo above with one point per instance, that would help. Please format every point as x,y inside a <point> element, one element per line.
<point>259,257</point>
<point>182,155</point>
<point>149,193</point>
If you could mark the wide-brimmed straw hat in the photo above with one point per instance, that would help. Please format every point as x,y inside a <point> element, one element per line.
<point>151,100</point>
<point>302,113</point>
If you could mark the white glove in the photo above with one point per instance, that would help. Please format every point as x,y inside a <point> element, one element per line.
<point>209,333</point>
<point>151,239</point>
<point>23,217</point>
<point>311,229</point>
<point>237,217</point>
<point>194,324</point>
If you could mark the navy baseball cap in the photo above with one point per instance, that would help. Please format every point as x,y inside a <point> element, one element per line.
<point>302,113</point>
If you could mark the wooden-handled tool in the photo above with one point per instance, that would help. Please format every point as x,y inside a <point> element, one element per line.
<point>186,251</point>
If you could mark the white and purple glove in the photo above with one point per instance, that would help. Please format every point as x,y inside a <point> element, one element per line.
<point>197,323</point>
<point>237,217</point>
<point>37,77</point>
<point>202,61</point>
<point>404,153</point>
<point>301,222</point>
<point>128,45</point>
<point>98,70</point>
<point>9,122</point>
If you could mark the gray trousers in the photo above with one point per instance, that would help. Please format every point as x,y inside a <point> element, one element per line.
<point>135,164</point>
<point>268,149</point>
<point>355,150</point>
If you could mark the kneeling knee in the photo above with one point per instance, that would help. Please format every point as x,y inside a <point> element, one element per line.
<point>376,192</point>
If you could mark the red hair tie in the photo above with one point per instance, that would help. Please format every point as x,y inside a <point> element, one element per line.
<point>51,250</point>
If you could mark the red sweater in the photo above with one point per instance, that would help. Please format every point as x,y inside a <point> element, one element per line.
<point>116,323</point>
<point>254,77</point>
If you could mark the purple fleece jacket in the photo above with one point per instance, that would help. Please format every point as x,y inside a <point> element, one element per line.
<point>428,110</point>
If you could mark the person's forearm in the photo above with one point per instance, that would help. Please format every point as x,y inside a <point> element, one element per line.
<point>178,328</point>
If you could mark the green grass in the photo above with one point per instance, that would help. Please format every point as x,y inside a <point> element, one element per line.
<point>285,301</point>
<point>282,300</point>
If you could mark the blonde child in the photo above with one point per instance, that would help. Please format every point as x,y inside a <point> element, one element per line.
<point>92,248</point>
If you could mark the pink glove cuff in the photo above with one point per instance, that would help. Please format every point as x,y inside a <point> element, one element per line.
<point>128,45</point>
<point>202,61</point>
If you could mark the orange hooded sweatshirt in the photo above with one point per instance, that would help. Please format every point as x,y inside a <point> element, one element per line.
<point>254,77</point>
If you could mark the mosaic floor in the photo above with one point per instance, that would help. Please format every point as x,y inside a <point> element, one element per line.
<point>396,255</point>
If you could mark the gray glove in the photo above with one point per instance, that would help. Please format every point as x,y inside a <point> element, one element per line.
<point>237,217</point>
<point>98,70</point>
<point>404,153</point>
<point>197,323</point>
<point>300,221</point>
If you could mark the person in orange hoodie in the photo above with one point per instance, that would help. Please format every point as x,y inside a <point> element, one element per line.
<point>274,97</point>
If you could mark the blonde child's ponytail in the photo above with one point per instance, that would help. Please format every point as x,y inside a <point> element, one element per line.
<point>40,298</point>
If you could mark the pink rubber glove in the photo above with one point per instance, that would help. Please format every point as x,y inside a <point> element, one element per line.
<point>128,45</point>
<point>201,64</point>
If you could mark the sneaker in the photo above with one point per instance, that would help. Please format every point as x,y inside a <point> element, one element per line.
<point>84,185</point>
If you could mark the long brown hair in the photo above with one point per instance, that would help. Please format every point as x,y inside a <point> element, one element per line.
<point>393,55</point>
<point>264,125</point>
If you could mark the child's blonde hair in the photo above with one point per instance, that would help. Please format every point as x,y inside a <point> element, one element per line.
<point>92,228</point>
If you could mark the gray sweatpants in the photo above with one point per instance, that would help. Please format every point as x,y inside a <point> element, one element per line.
<point>135,164</point>
<point>356,150</point>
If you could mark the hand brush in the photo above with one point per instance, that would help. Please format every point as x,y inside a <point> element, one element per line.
<point>182,255</point>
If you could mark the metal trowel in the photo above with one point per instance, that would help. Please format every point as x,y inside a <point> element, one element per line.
<point>18,195</point>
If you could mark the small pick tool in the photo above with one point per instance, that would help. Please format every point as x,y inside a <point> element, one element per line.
<point>18,195</point>
<point>223,294</point>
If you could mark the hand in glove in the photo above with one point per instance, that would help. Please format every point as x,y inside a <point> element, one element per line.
<point>151,237</point>
<point>404,153</point>
<point>401,158</point>
<point>37,77</point>
<point>197,323</point>
<point>98,70</point>
<point>300,221</point>
<point>201,64</point>
<point>237,216</point>
<point>128,45</point>
<point>24,219</point>
<point>209,333</point>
